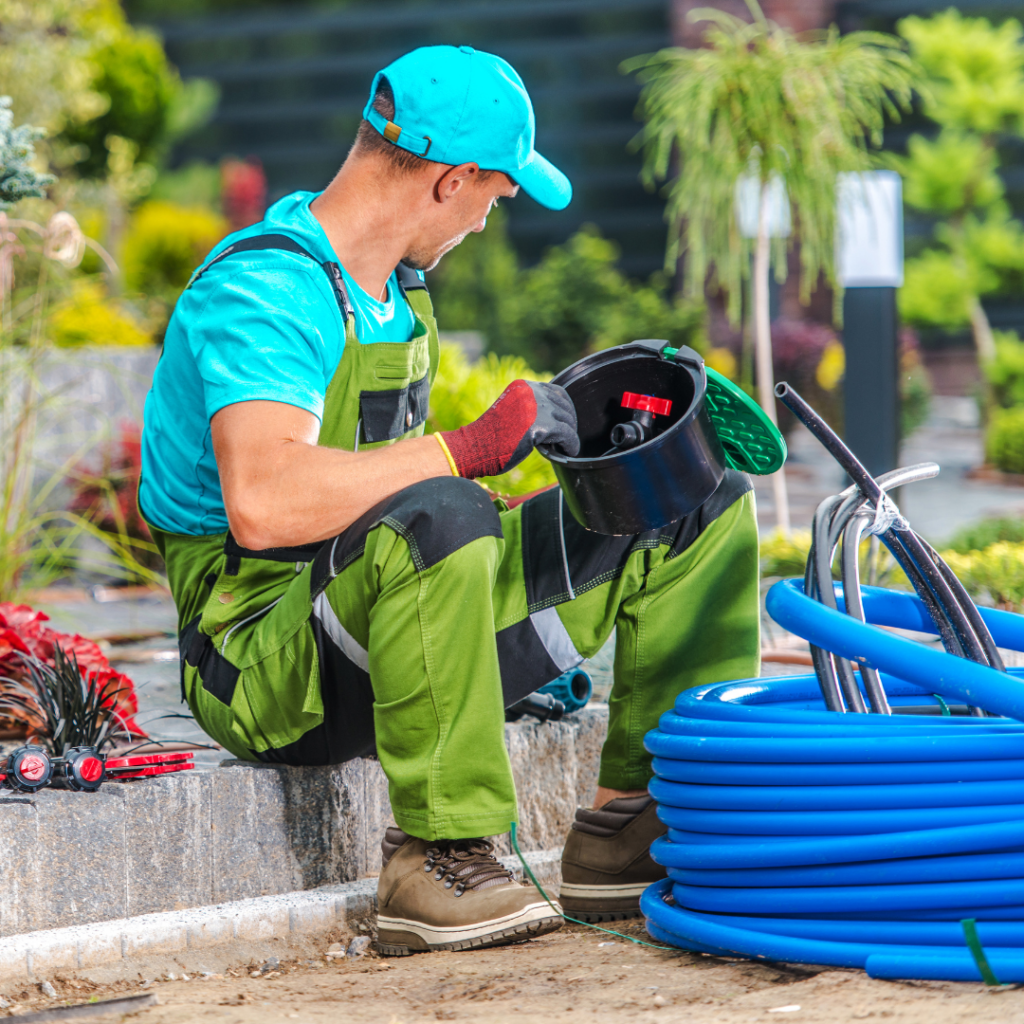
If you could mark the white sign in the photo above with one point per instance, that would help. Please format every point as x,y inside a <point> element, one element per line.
<point>869,230</point>
<point>748,207</point>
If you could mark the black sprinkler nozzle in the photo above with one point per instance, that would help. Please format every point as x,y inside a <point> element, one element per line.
<point>541,706</point>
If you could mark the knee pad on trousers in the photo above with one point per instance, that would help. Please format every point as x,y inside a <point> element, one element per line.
<point>436,517</point>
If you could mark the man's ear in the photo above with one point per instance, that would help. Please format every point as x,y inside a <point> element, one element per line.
<point>453,180</point>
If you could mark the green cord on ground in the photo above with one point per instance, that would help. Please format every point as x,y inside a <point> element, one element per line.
<point>942,704</point>
<point>970,928</point>
<point>566,917</point>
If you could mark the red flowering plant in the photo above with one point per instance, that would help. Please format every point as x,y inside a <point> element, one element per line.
<point>32,655</point>
<point>243,192</point>
<point>107,497</point>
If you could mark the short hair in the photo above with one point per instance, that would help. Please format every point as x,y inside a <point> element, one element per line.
<point>369,140</point>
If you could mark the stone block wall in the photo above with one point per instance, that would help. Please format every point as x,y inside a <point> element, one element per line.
<point>242,830</point>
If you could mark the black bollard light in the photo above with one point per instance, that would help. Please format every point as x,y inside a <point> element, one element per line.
<point>870,268</point>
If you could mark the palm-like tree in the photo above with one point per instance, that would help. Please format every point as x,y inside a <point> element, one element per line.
<point>759,101</point>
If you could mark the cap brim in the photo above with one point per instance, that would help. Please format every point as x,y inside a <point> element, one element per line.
<point>542,180</point>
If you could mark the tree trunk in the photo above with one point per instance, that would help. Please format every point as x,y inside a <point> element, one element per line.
<point>763,350</point>
<point>982,331</point>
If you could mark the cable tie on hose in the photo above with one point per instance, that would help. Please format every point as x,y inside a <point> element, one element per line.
<point>887,517</point>
<point>970,927</point>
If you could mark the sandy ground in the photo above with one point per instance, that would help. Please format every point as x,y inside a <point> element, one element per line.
<point>572,975</point>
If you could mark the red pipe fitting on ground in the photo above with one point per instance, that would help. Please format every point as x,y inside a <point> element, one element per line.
<point>82,769</point>
<point>27,769</point>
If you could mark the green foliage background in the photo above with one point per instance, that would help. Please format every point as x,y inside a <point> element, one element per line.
<point>975,93</point>
<point>1004,440</point>
<point>462,393</point>
<point>165,243</point>
<point>573,302</point>
<point>988,558</point>
<point>147,103</point>
<point>757,100</point>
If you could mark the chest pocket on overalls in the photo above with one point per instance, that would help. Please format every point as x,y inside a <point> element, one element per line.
<point>387,415</point>
<point>394,386</point>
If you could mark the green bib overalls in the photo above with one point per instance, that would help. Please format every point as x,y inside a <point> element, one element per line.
<point>410,632</point>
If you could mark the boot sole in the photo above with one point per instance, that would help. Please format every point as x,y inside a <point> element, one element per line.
<point>396,937</point>
<point>597,916</point>
<point>596,903</point>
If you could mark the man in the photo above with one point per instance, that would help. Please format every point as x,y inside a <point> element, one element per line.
<point>343,586</point>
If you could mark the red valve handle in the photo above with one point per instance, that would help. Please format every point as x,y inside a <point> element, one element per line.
<point>647,403</point>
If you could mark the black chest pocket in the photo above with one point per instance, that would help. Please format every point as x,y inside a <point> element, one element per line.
<point>387,415</point>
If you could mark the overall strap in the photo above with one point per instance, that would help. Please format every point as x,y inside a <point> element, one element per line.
<point>409,279</point>
<point>256,243</point>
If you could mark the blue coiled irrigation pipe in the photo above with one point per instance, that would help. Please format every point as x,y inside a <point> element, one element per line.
<point>853,840</point>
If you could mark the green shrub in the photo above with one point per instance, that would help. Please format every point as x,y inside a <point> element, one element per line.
<point>987,532</point>
<point>1005,373</point>
<point>164,244</point>
<point>936,291</point>
<point>785,556</point>
<point>147,103</point>
<point>576,300</point>
<point>995,573</point>
<point>915,385</point>
<point>195,184</point>
<point>572,302</point>
<point>461,393</point>
<point>90,317</point>
<point>1004,440</point>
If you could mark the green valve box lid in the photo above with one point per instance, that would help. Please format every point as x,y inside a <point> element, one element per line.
<point>752,443</point>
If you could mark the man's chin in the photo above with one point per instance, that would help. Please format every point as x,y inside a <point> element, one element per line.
<point>421,260</point>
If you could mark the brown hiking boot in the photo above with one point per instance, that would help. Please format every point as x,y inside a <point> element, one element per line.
<point>606,863</point>
<point>452,894</point>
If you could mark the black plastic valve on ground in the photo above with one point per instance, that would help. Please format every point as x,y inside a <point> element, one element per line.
<point>82,769</point>
<point>27,769</point>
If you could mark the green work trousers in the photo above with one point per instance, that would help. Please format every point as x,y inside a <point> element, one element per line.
<point>412,631</point>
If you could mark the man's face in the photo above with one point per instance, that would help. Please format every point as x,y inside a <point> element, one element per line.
<point>460,213</point>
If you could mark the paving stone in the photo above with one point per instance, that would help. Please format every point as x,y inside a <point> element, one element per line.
<point>80,839</point>
<point>305,811</point>
<point>236,932</point>
<point>591,730</point>
<point>245,830</point>
<point>543,756</point>
<point>23,871</point>
<point>378,816</point>
<point>167,843</point>
<point>248,844</point>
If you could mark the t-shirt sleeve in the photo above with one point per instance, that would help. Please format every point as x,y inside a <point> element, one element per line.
<point>257,338</point>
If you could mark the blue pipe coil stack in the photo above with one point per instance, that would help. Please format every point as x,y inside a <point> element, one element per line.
<point>852,840</point>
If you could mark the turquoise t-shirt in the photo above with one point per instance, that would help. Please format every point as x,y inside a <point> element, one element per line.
<point>257,325</point>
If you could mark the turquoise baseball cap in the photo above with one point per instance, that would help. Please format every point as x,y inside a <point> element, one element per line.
<point>457,105</point>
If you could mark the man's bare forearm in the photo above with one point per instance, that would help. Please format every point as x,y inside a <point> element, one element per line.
<point>282,489</point>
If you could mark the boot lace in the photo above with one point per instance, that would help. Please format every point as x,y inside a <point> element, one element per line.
<point>466,864</point>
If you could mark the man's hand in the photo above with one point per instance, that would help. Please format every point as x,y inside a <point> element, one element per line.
<point>526,415</point>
